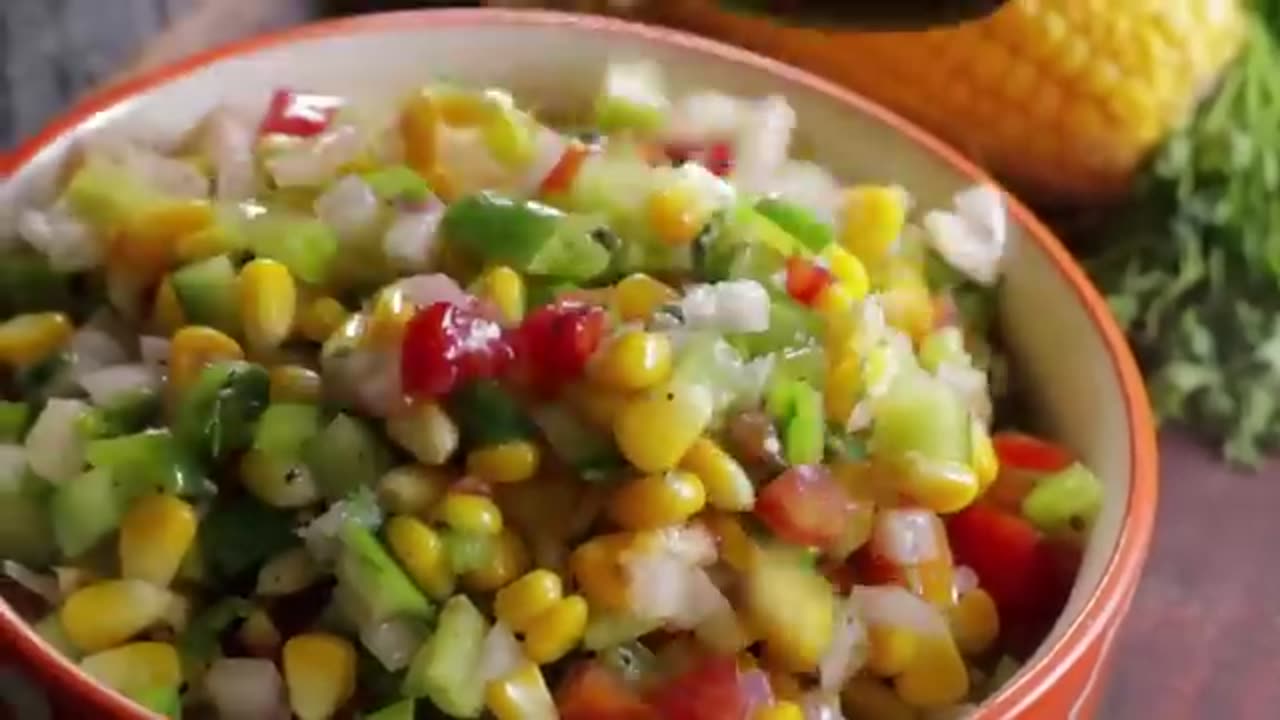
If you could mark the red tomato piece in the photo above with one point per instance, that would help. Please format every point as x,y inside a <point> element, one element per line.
<point>805,506</point>
<point>446,345</point>
<point>1024,452</point>
<point>561,177</point>
<point>872,568</point>
<point>556,341</point>
<point>593,692</point>
<point>1005,552</point>
<point>711,690</point>
<point>806,280</point>
<point>718,157</point>
<point>299,114</point>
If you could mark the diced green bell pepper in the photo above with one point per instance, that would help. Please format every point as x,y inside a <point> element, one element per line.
<point>28,284</point>
<point>128,413</point>
<point>106,197</point>
<point>15,418</point>
<point>397,182</point>
<point>26,530</point>
<point>804,435</point>
<point>50,377</point>
<point>1065,503</point>
<point>467,551</point>
<point>371,578</point>
<point>209,293</point>
<point>444,669</point>
<point>84,510</point>
<point>488,414</point>
<point>530,237</point>
<point>285,428</point>
<point>346,455</point>
<point>799,222</point>
<point>304,244</point>
<point>238,535</point>
<point>215,417</point>
<point>402,710</point>
<point>149,461</point>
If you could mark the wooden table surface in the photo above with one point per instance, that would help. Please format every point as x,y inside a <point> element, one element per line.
<point>1203,638</point>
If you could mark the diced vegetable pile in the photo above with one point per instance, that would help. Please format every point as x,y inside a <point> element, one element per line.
<point>460,415</point>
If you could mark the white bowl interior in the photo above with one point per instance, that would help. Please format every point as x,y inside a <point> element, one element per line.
<point>1057,348</point>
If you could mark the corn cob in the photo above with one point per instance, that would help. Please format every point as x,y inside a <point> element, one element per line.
<point>1064,98</point>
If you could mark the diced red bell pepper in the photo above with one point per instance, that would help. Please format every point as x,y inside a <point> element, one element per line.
<point>555,341</point>
<point>446,345</point>
<point>561,177</point>
<point>299,114</point>
<point>805,506</point>
<point>1005,551</point>
<point>712,689</point>
<point>1024,452</point>
<point>718,157</point>
<point>806,280</point>
<point>593,692</point>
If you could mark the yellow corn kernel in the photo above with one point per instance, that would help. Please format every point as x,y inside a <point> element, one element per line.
<point>782,710</point>
<point>836,308</point>
<point>909,307</point>
<point>148,245</point>
<point>785,686</point>
<point>26,339</point>
<point>509,462</point>
<point>599,405</point>
<point>658,500</point>
<point>510,560</point>
<point>986,466</point>
<point>277,481</point>
<point>195,346</point>
<point>422,554</point>
<point>873,219</point>
<point>136,667</point>
<point>470,513</point>
<point>557,630</point>
<point>844,390</point>
<point>674,216</point>
<point>320,673</point>
<point>974,621</point>
<point>295,384</point>
<point>259,634</point>
<point>391,314</point>
<point>891,649</point>
<point>426,431</point>
<point>943,487</point>
<point>203,244</point>
<point>597,568</point>
<point>155,535</point>
<point>167,314</point>
<point>848,270</point>
<point>637,297</point>
<point>105,614</point>
<point>521,695</point>
<point>412,489</point>
<point>727,485</point>
<point>268,302</point>
<point>320,318</point>
<point>505,289</point>
<point>681,411</point>
<point>737,549</point>
<point>636,360</point>
<point>865,697</point>
<point>521,602</point>
<point>936,676</point>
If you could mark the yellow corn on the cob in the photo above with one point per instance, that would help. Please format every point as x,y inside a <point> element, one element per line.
<point>1063,97</point>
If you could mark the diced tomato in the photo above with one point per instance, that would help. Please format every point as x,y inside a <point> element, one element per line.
<point>593,692</point>
<point>1005,551</point>
<point>561,177</point>
<point>805,506</point>
<point>555,342</point>
<point>718,157</point>
<point>446,345</point>
<point>872,568</point>
<point>1023,452</point>
<point>806,280</point>
<point>710,690</point>
<point>842,574</point>
<point>299,114</point>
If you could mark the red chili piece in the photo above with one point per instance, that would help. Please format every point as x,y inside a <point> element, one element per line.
<point>806,280</point>
<point>556,341</point>
<point>299,114</point>
<point>446,345</point>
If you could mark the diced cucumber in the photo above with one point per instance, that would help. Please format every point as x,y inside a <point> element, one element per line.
<point>127,413</point>
<point>920,414</point>
<point>285,428</point>
<point>145,462</point>
<point>209,293</point>
<point>347,454</point>
<point>804,438</point>
<point>368,575</point>
<point>402,710</point>
<point>304,244</point>
<point>1065,503</point>
<point>575,252</point>
<point>84,510</point>
<point>15,418</point>
<point>166,701</point>
<point>444,669</point>
<point>799,222</point>
<point>106,197</point>
<point>467,551</point>
<point>215,418</point>
<point>26,533</point>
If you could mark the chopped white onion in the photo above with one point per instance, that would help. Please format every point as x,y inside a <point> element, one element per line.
<point>117,381</point>
<point>720,628</point>
<point>321,535</point>
<point>703,117</point>
<point>229,140</point>
<point>821,705</point>
<point>732,306</point>
<point>500,655</point>
<point>893,606</point>
<point>46,586</point>
<point>666,581</point>
<point>849,648</point>
<point>548,147</point>
<point>55,445</point>
<point>246,689</point>
<point>908,536</point>
<point>349,206</point>
<point>964,580</point>
<point>154,350</point>
<point>763,144</point>
<point>973,238</point>
<point>430,288</point>
<point>711,191</point>
<point>71,579</point>
<point>13,467</point>
<point>167,174</point>
<point>970,384</point>
<point>69,244</point>
<point>96,346</point>
<point>636,83</point>
<point>809,185</point>
<point>287,573</point>
<point>393,642</point>
<point>410,240</point>
<point>464,155</point>
<point>317,161</point>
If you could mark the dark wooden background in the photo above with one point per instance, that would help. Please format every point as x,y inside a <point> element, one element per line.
<point>1203,639</point>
